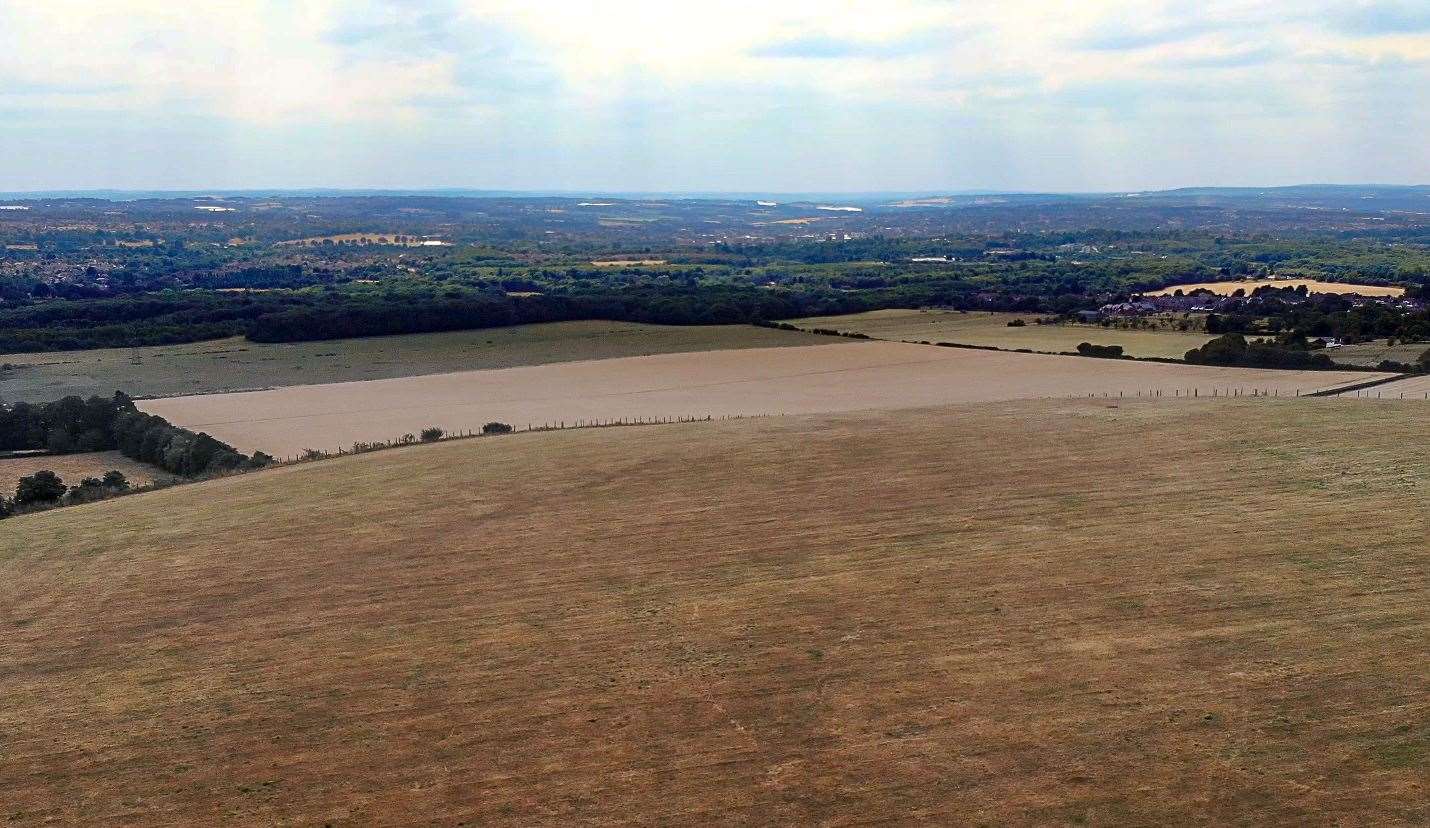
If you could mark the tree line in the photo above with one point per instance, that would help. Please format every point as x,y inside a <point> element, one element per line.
<point>74,425</point>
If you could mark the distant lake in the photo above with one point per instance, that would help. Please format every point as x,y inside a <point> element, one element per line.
<point>1312,285</point>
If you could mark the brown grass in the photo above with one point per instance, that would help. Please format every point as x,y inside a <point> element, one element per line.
<point>72,468</point>
<point>1410,388</point>
<point>1162,613</point>
<point>795,380</point>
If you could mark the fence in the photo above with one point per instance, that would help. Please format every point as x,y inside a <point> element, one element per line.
<point>1359,392</point>
<point>559,425</point>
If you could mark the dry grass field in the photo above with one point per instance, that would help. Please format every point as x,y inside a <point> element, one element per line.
<point>844,376</point>
<point>230,364</point>
<point>1410,388</point>
<point>1153,612</point>
<point>1312,285</point>
<point>1373,353</point>
<point>72,468</point>
<point>991,329</point>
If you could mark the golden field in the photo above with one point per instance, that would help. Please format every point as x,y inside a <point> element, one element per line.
<point>845,376</point>
<point>1149,612</point>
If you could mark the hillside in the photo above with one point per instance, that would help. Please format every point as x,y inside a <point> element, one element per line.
<point>1155,612</point>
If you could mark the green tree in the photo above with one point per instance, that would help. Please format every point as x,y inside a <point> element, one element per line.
<point>40,487</point>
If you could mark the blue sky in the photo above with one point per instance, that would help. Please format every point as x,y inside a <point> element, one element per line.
<point>776,95</point>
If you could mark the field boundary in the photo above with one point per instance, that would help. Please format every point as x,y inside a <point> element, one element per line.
<point>786,326</point>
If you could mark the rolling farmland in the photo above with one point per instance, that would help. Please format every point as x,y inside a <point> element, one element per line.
<point>231,364</point>
<point>1013,613</point>
<point>992,330</point>
<point>845,376</point>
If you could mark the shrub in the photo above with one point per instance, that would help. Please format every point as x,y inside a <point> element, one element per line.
<point>115,480</point>
<point>1424,361</point>
<point>1016,323</point>
<point>40,487</point>
<point>1233,349</point>
<point>497,428</point>
<point>432,434</point>
<point>1103,351</point>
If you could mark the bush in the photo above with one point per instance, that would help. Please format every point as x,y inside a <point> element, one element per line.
<point>1103,351</point>
<point>1233,349</point>
<point>40,487</point>
<point>1424,361</point>
<point>432,434</point>
<point>1017,323</point>
<point>115,480</point>
<point>497,428</point>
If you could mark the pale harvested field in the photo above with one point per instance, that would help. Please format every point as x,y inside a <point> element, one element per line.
<point>1410,388</point>
<point>1167,612</point>
<point>361,238</point>
<point>72,468</point>
<point>796,380</point>
<point>1312,285</point>
<point>231,364</point>
<point>991,329</point>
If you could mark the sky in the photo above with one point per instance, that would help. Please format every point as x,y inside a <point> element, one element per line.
<point>712,95</point>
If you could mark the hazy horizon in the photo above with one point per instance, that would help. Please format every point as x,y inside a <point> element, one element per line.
<point>476,192</point>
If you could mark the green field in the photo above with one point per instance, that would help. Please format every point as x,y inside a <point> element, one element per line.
<point>236,364</point>
<point>991,329</point>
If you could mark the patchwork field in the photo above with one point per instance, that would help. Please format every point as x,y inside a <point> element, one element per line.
<point>1311,285</point>
<point>844,376</point>
<point>231,364</point>
<point>1146,612</point>
<point>991,329</point>
<point>72,468</point>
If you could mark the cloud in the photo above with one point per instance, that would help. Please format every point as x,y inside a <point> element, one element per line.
<point>740,93</point>
<point>1120,37</point>
<point>824,47</point>
<point>1383,18</point>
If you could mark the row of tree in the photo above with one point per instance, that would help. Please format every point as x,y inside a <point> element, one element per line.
<point>1234,350</point>
<point>45,489</point>
<point>73,424</point>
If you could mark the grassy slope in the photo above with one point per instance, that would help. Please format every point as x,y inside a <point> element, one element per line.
<point>1160,613</point>
<point>237,364</point>
<point>977,328</point>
